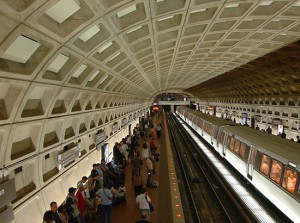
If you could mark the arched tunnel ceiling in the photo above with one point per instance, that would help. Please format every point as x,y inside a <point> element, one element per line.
<point>275,76</point>
<point>137,48</point>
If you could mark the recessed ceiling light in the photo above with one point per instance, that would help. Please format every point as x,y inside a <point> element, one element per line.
<point>89,33</point>
<point>58,63</point>
<point>275,20</point>
<point>103,79</point>
<point>105,47</point>
<point>94,75</point>
<point>283,34</point>
<point>165,18</point>
<point>160,1</point>
<point>126,11</point>
<point>297,4</point>
<point>266,3</point>
<point>114,56</point>
<point>62,10</point>
<point>79,71</point>
<point>134,29</point>
<point>21,49</point>
<point>199,10</point>
<point>234,5</point>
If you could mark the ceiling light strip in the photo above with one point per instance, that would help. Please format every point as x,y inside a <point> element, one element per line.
<point>165,18</point>
<point>126,11</point>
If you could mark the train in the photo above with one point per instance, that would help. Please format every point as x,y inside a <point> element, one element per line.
<point>271,164</point>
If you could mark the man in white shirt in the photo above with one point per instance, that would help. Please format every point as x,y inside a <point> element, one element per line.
<point>158,130</point>
<point>124,150</point>
<point>142,202</point>
<point>146,127</point>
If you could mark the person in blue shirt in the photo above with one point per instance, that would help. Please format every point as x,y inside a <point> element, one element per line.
<point>106,202</point>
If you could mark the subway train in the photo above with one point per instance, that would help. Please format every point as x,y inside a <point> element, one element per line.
<point>271,164</point>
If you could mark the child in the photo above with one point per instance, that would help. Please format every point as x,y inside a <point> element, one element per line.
<point>122,193</point>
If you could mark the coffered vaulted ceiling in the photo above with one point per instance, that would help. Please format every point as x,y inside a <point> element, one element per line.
<point>138,48</point>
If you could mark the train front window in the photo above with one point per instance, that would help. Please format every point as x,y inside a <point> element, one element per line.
<point>289,179</point>
<point>265,165</point>
<point>237,146</point>
<point>276,171</point>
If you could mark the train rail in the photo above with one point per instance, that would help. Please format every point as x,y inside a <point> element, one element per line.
<point>209,200</point>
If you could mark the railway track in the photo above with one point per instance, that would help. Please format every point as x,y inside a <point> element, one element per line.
<point>207,197</point>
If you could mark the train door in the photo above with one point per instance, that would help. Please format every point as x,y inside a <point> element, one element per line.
<point>251,161</point>
<point>213,134</point>
<point>220,140</point>
<point>225,143</point>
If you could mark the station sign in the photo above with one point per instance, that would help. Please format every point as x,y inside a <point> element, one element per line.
<point>115,127</point>
<point>124,122</point>
<point>7,192</point>
<point>68,156</point>
<point>100,137</point>
<point>257,118</point>
<point>276,121</point>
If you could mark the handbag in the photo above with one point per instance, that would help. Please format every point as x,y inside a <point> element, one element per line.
<point>150,204</point>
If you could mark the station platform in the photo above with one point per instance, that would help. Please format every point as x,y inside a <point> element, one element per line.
<point>166,197</point>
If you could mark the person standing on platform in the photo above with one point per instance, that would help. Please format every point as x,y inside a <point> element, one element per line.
<point>145,150</point>
<point>150,171</point>
<point>137,182</point>
<point>152,147</point>
<point>80,198</point>
<point>143,201</point>
<point>48,217</point>
<point>269,130</point>
<point>62,211</point>
<point>106,202</point>
<point>158,130</point>
<point>56,218</point>
<point>136,164</point>
<point>146,128</point>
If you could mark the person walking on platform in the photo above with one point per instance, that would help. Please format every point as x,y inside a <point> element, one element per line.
<point>143,201</point>
<point>143,218</point>
<point>106,202</point>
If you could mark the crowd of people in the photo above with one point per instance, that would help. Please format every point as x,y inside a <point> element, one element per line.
<point>104,188</point>
<point>281,135</point>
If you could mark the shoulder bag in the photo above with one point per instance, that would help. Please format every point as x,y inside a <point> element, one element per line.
<point>150,204</point>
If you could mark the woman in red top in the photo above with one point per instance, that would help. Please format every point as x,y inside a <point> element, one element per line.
<point>152,146</point>
<point>80,203</point>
